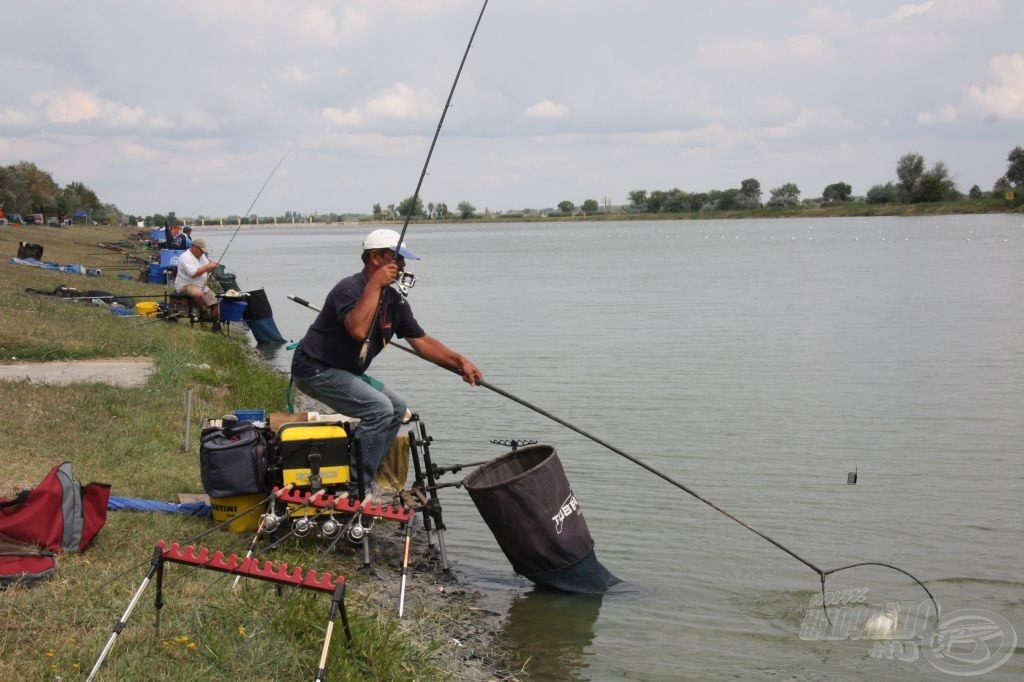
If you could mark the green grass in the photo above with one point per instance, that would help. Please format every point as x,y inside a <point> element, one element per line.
<point>132,439</point>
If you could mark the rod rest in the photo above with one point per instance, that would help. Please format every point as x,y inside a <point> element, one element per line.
<point>345,505</point>
<point>217,561</point>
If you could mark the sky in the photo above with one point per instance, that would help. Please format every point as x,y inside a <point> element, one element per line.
<point>189,106</point>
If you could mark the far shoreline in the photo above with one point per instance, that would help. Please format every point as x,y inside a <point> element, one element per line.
<point>847,210</point>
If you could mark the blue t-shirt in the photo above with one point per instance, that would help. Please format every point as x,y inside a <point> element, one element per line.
<point>328,344</point>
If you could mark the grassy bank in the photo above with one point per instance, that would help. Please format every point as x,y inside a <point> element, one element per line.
<point>132,438</point>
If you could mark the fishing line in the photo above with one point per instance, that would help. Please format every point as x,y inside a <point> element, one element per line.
<point>822,573</point>
<point>365,350</point>
<point>255,199</point>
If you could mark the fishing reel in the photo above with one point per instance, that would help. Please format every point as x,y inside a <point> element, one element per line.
<point>405,281</point>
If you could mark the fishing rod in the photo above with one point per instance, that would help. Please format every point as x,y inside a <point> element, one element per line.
<point>255,199</point>
<point>822,572</point>
<point>365,350</point>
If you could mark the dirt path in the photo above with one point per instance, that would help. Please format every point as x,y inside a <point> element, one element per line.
<point>119,372</point>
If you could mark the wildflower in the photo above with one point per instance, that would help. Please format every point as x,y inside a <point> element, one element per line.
<point>191,646</point>
<point>241,630</point>
<point>51,653</point>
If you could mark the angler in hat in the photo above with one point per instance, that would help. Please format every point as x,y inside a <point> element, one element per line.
<point>194,268</point>
<point>363,310</point>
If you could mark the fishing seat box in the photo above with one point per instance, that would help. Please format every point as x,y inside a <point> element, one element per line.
<point>313,454</point>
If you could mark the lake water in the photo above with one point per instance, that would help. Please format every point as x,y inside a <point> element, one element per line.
<point>755,361</point>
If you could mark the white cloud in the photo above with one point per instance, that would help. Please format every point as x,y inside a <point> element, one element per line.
<point>14,117</point>
<point>808,120</point>
<point>901,14</point>
<point>341,117</point>
<point>546,110</point>
<point>947,114</point>
<point>1003,100</point>
<point>70,106</point>
<point>402,102</point>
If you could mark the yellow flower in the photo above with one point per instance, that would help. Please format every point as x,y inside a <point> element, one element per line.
<point>183,639</point>
<point>51,653</point>
<point>191,646</point>
<point>241,630</point>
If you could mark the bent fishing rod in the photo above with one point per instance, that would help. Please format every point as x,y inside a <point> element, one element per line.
<point>365,350</point>
<point>822,572</point>
<point>255,199</point>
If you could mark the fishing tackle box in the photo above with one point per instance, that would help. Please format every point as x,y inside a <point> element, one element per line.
<point>313,454</point>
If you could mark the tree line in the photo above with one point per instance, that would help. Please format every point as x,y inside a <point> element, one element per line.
<point>26,189</point>
<point>915,183</point>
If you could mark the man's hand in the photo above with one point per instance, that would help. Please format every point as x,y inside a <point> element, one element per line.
<point>385,276</point>
<point>470,374</point>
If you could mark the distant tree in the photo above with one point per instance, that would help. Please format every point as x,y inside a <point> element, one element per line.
<point>750,194</point>
<point>1015,171</point>
<point>836,193</point>
<point>378,212</point>
<point>936,185</point>
<point>590,206</point>
<point>406,207</point>
<point>441,210</point>
<point>909,170</point>
<point>656,200</point>
<point>975,192</point>
<point>698,201</point>
<point>1001,186</point>
<point>638,199</point>
<point>566,206</point>
<point>466,209</point>
<point>728,200</point>
<point>882,194</point>
<point>675,201</point>
<point>430,210</point>
<point>786,195</point>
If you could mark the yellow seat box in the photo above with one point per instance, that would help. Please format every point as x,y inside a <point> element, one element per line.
<point>313,454</point>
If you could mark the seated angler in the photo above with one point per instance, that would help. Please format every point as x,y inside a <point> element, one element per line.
<point>194,268</point>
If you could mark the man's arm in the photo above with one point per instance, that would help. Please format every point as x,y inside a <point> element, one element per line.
<point>435,351</point>
<point>359,320</point>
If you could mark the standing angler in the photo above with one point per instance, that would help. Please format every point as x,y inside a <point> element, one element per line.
<point>326,365</point>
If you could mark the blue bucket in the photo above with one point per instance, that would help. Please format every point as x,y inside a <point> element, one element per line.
<point>232,311</point>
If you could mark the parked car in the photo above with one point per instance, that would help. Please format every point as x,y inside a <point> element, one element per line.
<point>53,222</point>
<point>35,219</point>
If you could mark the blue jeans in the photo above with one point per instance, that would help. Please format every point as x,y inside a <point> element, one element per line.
<point>381,412</point>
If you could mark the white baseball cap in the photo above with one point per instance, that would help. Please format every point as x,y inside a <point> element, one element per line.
<point>387,239</point>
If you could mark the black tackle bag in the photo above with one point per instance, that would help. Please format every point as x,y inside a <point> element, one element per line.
<point>233,461</point>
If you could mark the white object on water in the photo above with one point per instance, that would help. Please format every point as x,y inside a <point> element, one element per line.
<point>883,625</point>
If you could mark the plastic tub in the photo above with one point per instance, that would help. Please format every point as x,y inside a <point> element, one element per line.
<point>147,308</point>
<point>250,415</point>
<point>232,311</point>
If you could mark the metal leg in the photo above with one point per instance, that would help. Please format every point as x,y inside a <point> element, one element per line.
<point>155,569</point>
<point>337,602</point>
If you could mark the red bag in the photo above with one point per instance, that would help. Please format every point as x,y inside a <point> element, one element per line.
<point>60,513</point>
